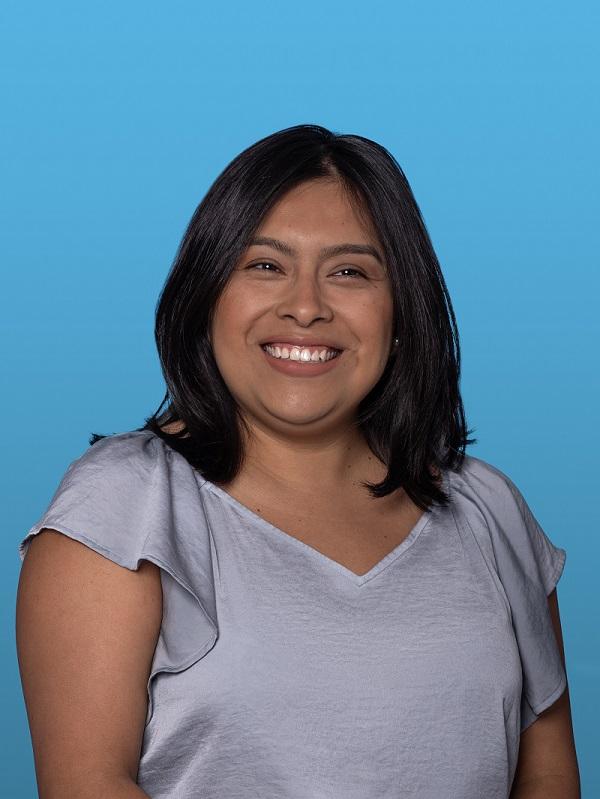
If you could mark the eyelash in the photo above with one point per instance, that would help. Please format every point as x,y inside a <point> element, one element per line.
<point>344,268</point>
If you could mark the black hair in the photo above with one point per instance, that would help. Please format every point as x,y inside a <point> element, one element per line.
<point>413,418</point>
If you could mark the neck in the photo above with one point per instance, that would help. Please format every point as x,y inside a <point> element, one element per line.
<point>326,464</point>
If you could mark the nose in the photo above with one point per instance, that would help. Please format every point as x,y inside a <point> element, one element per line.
<point>303,301</point>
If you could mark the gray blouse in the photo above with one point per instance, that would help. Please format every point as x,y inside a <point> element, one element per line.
<point>279,673</point>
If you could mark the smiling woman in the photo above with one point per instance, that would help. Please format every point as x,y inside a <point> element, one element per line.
<point>294,582</point>
<point>328,222</point>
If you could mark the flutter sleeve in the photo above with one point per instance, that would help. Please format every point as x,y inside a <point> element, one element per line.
<point>529,565</point>
<point>129,500</point>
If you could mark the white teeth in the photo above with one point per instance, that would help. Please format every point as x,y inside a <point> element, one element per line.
<point>300,354</point>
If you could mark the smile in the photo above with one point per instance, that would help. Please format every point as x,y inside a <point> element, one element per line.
<point>306,362</point>
<point>301,354</point>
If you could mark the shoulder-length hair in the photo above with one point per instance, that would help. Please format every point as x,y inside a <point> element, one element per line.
<point>413,418</point>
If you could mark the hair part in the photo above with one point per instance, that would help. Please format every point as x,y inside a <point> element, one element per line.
<point>413,419</point>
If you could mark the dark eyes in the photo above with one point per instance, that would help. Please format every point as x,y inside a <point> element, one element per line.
<point>357,272</point>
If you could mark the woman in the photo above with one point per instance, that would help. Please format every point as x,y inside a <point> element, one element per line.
<point>294,582</point>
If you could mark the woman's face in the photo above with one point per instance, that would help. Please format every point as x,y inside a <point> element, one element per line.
<point>291,291</point>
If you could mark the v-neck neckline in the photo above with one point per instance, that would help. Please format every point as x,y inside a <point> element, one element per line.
<point>281,535</point>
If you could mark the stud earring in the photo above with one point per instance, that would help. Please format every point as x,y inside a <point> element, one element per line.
<point>396,342</point>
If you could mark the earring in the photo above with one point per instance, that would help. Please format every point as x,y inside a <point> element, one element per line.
<point>396,342</point>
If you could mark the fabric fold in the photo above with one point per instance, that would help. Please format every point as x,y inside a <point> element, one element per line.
<point>120,498</point>
<point>529,566</point>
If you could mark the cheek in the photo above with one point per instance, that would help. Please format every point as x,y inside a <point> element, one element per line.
<point>233,321</point>
<point>230,319</point>
<point>375,321</point>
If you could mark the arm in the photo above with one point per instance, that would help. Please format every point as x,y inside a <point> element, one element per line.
<point>86,633</point>
<point>547,767</point>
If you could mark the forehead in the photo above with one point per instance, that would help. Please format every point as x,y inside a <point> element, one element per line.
<point>321,206</point>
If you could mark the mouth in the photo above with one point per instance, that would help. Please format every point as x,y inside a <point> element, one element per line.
<point>296,361</point>
<point>301,354</point>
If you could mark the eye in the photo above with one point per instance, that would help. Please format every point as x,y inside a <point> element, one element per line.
<point>263,263</point>
<point>351,269</point>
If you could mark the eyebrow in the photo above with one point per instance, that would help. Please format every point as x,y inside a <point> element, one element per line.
<point>325,252</point>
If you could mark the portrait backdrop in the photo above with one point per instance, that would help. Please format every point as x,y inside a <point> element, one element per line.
<point>117,117</point>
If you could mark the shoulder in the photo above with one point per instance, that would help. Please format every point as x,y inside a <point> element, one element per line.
<point>482,491</point>
<point>134,461</point>
<point>136,470</point>
<point>480,481</point>
<point>118,495</point>
<point>119,452</point>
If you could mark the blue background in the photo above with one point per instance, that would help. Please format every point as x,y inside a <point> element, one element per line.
<point>118,116</point>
